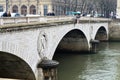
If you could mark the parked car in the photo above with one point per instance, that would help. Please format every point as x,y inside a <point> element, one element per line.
<point>88,15</point>
<point>100,15</point>
<point>1,14</point>
<point>51,14</point>
<point>117,16</point>
<point>15,15</point>
<point>32,15</point>
<point>84,14</point>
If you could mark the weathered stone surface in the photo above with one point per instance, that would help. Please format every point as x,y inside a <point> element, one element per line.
<point>48,64</point>
<point>114,31</point>
<point>27,42</point>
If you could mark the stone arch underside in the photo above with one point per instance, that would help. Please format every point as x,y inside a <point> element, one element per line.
<point>101,34</point>
<point>74,40</point>
<point>12,66</point>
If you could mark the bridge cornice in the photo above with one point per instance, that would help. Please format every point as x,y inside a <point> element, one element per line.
<point>33,25</point>
<point>26,26</point>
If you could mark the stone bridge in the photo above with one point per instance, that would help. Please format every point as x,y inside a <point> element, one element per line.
<point>23,46</point>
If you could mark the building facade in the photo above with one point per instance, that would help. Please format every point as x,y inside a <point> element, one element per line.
<point>22,6</point>
<point>59,7</point>
<point>41,7</point>
<point>118,9</point>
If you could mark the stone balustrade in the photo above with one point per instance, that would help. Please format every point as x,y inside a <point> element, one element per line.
<point>16,20</point>
<point>41,19</point>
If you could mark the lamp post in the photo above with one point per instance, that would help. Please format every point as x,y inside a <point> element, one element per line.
<point>6,5</point>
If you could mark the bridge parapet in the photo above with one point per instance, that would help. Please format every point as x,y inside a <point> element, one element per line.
<point>92,19</point>
<point>28,20</point>
<point>16,20</point>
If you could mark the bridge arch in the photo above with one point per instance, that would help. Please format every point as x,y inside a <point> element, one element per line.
<point>101,34</point>
<point>73,40</point>
<point>12,66</point>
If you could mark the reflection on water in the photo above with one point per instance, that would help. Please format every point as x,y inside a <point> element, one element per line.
<point>103,65</point>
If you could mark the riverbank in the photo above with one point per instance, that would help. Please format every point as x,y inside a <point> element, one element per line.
<point>114,30</point>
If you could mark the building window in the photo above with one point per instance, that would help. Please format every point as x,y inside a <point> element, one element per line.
<point>1,8</point>
<point>23,10</point>
<point>45,10</point>
<point>15,9</point>
<point>32,9</point>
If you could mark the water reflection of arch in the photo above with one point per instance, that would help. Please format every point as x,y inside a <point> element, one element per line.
<point>101,34</point>
<point>23,10</point>
<point>12,66</point>
<point>15,9</point>
<point>32,9</point>
<point>74,40</point>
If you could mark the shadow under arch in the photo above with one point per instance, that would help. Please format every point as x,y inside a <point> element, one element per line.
<point>75,43</point>
<point>101,34</point>
<point>74,40</point>
<point>14,67</point>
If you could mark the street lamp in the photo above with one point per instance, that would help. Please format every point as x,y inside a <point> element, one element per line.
<point>76,5</point>
<point>6,5</point>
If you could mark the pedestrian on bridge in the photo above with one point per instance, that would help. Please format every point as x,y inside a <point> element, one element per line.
<point>76,18</point>
<point>9,14</point>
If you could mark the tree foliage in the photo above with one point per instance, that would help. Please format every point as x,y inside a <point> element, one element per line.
<point>101,6</point>
<point>107,6</point>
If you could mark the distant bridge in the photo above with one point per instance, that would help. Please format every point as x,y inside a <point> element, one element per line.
<point>25,41</point>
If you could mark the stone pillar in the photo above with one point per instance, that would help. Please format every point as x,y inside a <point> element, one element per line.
<point>49,68</point>
<point>94,44</point>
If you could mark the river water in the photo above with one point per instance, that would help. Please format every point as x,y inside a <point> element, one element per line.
<point>102,65</point>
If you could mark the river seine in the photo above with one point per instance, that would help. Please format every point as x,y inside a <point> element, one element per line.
<point>102,65</point>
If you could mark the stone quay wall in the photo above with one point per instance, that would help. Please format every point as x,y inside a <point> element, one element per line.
<point>114,30</point>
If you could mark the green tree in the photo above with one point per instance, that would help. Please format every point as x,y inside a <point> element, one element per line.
<point>107,6</point>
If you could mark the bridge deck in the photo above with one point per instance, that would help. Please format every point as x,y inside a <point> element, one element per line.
<point>8,24</point>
